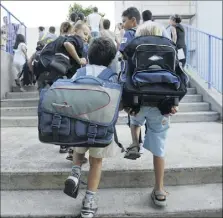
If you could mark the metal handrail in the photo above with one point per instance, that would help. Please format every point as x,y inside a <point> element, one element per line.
<point>204,56</point>
<point>9,47</point>
<point>191,27</point>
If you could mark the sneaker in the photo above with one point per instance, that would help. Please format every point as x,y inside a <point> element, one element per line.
<point>72,183</point>
<point>63,149</point>
<point>89,207</point>
<point>132,152</point>
<point>141,148</point>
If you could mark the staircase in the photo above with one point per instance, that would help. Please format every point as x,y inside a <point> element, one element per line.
<point>19,109</point>
<point>33,174</point>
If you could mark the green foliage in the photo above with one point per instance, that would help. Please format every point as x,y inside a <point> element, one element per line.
<point>75,7</point>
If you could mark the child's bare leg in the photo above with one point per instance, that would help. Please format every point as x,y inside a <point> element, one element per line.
<point>158,163</point>
<point>94,175</point>
<point>135,132</point>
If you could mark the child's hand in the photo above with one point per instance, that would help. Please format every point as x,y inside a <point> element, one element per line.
<point>174,110</point>
<point>83,61</point>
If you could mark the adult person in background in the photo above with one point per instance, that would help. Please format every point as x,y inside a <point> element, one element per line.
<point>73,18</point>
<point>19,59</point>
<point>50,36</point>
<point>94,21</point>
<point>80,19</point>
<point>10,29</point>
<point>177,34</point>
<point>147,16</point>
<point>41,32</point>
<point>105,32</point>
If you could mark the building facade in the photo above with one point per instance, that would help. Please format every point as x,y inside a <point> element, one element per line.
<point>204,15</point>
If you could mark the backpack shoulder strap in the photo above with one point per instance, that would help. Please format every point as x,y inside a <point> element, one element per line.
<point>106,74</point>
<point>81,72</point>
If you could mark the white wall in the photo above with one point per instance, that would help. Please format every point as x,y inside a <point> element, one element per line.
<point>156,7</point>
<point>209,17</point>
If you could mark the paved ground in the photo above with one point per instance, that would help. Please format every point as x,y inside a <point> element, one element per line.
<point>189,145</point>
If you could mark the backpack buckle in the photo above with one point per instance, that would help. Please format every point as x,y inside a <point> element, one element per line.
<point>92,132</point>
<point>56,122</point>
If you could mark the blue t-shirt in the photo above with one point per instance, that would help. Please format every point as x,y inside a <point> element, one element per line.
<point>128,37</point>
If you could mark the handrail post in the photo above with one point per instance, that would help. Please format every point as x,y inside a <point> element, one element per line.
<point>209,61</point>
<point>9,35</point>
<point>25,33</point>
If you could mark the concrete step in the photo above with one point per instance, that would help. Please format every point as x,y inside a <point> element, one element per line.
<point>21,95</point>
<point>32,102</point>
<point>180,117</point>
<point>194,201</point>
<point>35,94</point>
<point>191,158</point>
<point>32,111</point>
<point>30,88</point>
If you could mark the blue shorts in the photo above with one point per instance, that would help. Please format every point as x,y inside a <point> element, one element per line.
<point>157,127</point>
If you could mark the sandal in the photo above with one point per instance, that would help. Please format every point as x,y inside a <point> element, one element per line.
<point>159,198</point>
<point>132,153</point>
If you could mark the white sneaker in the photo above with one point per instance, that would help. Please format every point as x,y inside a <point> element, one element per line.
<point>141,148</point>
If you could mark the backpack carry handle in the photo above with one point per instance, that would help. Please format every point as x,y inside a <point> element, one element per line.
<point>89,77</point>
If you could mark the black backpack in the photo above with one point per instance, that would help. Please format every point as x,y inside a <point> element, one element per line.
<point>152,74</point>
<point>51,63</point>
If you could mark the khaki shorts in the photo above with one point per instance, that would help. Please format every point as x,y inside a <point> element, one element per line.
<point>106,152</point>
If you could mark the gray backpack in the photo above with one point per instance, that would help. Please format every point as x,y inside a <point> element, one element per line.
<point>80,112</point>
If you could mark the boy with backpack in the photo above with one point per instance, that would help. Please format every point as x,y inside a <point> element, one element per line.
<point>58,57</point>
<point>100,54</point>
<point>130,21</point>
<point>70,49</point>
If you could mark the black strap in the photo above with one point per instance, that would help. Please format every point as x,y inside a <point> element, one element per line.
<point>117,142</point>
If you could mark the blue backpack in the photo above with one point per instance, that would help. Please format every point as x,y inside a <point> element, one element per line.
<point>80,112</point>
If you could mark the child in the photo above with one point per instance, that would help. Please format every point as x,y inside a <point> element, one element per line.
<point>100,54</point>
<point>73,48</point>
<point>131,19</point>
<point>19,59</point>
<point>157,127</point>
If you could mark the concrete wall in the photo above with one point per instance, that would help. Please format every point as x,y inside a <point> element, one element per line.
<point>6,70</point>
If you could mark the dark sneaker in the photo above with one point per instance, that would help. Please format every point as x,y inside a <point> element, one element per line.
<point>132,152</point>
<point>72,183</point>
<point>63,149</point>
<point>89,207</point>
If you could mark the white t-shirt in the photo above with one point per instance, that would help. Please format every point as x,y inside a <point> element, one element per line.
<point>94,21</point>
<point>19,56</point>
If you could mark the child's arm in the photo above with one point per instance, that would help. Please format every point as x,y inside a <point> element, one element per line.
<point>73,53</point>
<point>128,36</point>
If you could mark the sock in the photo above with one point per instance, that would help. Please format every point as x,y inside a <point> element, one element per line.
<point>89,194</point>
<point>74,171</point>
